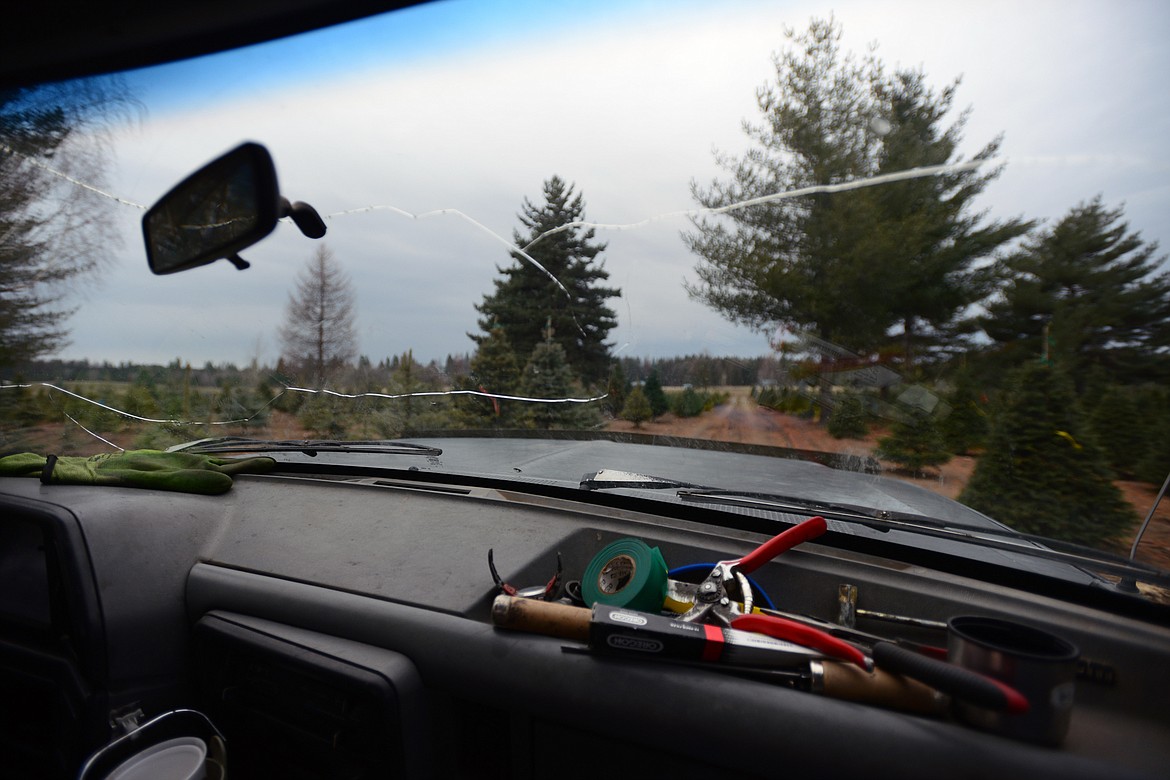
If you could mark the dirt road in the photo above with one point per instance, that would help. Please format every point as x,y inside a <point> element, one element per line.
<point>742,420</point>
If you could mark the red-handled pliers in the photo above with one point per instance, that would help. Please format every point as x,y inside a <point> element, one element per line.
<point>714,602</point>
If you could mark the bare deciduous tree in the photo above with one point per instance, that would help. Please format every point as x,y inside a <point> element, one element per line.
<point>318,336</point>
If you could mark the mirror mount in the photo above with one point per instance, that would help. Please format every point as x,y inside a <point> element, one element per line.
<point>223,208</point>
<point>304,217</point>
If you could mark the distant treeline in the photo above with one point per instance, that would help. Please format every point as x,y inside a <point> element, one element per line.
<point>697,370</point>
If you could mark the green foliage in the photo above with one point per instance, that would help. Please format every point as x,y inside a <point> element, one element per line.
<point>914,442</point>
<point>547,376</point>
<point>1120,429</point>
<point>691,402</point>
<point>785,400</point>
<point>324,416</point>
<point>848,420</point>
<point>1095,290</point>
<point>527,300</point>
<point>637,407</point>
<point>1153,461</point>
<point>494,369</point>
<point>813,263</point>
<point>1154,464</point>
<point>1042,472</point>
<point>52,232</point>
<point>656,395</point>
<point>616,389</point>
<point>688,403</point>
<point>965,428</point>
<point>408,413</point>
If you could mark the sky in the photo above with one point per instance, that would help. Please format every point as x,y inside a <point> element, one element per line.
<point>470,105</point>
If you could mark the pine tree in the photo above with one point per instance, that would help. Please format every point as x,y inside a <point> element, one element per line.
<point>1042,472</point>
<point>52,233</point>
<point>636,408</point>
<point>656,395</point>
<point>547,376</point>
<point>812,263</point>
<point>965,427</point>
<point>914,442</point>
<point>526,298</point>
<point>927,244</point>
<point>493,370</point>
<point>1089,295</point>
<point>848,420</point>
<point>1154,464</point>
<point>616,389</point>
<point>1120,429</point>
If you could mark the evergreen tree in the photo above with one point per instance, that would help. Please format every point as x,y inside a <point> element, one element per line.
<point>1153,460</point>
<point>410,377</point>
<point>848,419</point>
<point>689,403</point>
<point>1094,291</point>
<point>52,232</point>
<point>493,370</point>
<point>1120,430</point>
<point>914,442</point>
<point>926,242</point>
<point>616,389</point>
<point>812,263</point>
<point>526,298</point>
<point>1154,463</point>
<point>1042,472</point>
<point>636,408</point>
<point>656,395</point>
<point>547,376</point>
<point>965,427</point>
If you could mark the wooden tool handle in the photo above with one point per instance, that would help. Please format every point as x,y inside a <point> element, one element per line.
<point>846,681</point>
<point>542,617</point>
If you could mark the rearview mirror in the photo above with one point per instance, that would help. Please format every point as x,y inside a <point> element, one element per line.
<point>221,209</point>
<point>224,207</point>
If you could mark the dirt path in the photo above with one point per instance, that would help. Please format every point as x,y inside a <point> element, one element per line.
<point>741,420</point>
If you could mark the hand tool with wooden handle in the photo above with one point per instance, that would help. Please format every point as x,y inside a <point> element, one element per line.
<point>830,678</point>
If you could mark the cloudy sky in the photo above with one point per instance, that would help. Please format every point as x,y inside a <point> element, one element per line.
<point>470,106</point>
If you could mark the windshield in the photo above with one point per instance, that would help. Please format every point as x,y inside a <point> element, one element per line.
<point>915,242</point>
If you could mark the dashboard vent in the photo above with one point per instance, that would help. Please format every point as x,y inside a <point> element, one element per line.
<point>289,709</point>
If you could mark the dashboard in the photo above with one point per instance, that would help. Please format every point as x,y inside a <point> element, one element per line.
<point>341,627</point>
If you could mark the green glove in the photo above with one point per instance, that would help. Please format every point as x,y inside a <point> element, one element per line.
<point>181,471</point>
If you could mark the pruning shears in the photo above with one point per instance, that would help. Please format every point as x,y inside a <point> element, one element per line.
<point>724,598</point>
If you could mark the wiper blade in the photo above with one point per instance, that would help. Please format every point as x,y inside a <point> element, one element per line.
<point>309,447</point>
<point>614,479</point>
<point>1000,537</point>
<point>774,501</point>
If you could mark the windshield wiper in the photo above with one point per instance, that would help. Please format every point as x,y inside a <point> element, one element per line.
<point>308,447</point>
<point>1000,538</point>
<point>878,518</point>
<point>615,479</point>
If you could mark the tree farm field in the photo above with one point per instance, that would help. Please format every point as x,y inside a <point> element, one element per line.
<point>742,420</point>
<point>739,420</point>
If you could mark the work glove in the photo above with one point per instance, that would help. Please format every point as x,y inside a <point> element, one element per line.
<point>180,471</point>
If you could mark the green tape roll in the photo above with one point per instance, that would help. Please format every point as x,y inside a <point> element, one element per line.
<point>628,573</point>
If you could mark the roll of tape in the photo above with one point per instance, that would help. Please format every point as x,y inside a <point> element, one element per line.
<point>627,573</point>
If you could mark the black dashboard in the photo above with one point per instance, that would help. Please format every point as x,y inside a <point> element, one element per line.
<point>341,628</point>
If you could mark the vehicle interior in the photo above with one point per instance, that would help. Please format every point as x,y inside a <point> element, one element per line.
<point>334,616</point>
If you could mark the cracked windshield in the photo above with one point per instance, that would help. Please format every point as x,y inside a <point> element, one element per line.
<point>921,243</point>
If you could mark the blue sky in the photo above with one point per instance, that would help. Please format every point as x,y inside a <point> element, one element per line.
<point>471,105</point>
